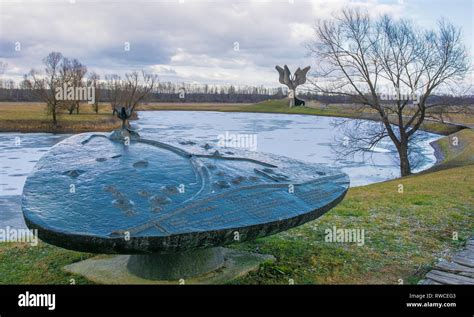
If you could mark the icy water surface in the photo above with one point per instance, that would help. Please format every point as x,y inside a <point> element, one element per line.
<point>19,153</point>
<point>302,137</point>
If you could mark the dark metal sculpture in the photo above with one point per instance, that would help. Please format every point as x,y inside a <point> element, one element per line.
<point>124,114</point>
<point>292,82</point>
<point>125,132</point>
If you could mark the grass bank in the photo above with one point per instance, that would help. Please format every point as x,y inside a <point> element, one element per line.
<point>456,150</point>
<point>32,117</point>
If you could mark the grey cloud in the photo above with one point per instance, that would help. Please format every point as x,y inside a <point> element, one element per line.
<point>194,39</point>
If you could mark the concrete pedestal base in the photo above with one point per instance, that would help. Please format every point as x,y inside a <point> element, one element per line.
<point>176,266</point>
<point>208,266</point>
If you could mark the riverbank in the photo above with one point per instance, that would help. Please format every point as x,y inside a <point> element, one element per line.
<point>405,232</point>
<point>32,117</point>
<point>314,108</point>
<point>455,150</point>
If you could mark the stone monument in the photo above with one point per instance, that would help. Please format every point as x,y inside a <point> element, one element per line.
<point>292,82</point>
<point>168,212</point>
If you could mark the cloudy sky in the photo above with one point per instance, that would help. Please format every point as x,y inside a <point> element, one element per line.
<point>215,42</point>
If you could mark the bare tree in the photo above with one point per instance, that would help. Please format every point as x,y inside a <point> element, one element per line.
<point>114,90</point>
<point>94,82</point>
<point>78,71</point>
<point>47,85</point>
<point>66,78</point>
<point>71,74</point>
<point>390,68</point>
<point>446,108</point>
<point>3,66</point>
<point>125,94</point>
<point>25,84</point>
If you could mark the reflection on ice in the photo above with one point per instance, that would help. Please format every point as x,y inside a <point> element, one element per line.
<point>19,153</point>
<point>307,138</point>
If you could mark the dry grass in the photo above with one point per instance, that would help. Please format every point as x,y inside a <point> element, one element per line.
<point>195,106</point>
<point>457,150</point>
<point>33,117</point>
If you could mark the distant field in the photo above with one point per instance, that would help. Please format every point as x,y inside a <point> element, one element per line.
<point>205,106</point>
<point>32,117</point>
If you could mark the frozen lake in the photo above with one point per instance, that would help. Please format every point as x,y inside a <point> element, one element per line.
<point>307,138</point>
<point>19,153</point>
<point>302,137</point>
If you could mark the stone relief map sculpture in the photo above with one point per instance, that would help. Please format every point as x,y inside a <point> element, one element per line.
<point>168,210</point>
<point>299,78</point>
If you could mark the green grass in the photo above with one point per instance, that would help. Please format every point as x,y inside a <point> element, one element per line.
<point>457,149</point>
<point>269,106</point>
<point>405,233</point>
<point>21,263</point>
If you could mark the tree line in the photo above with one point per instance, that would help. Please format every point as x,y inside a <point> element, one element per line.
<point>60,70</point>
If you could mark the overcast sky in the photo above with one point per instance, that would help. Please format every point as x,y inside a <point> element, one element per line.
<point>215,42</point>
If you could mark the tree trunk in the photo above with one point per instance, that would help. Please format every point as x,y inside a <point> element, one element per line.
<point>53,112</point>
<point>405,168</point>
